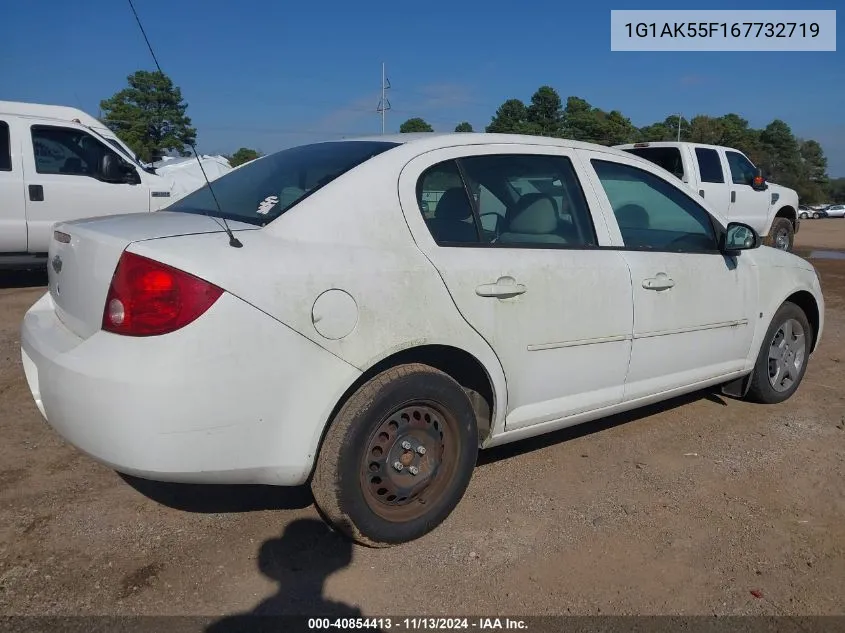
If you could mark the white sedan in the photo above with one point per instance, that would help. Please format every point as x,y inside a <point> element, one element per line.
<point>343,337</point>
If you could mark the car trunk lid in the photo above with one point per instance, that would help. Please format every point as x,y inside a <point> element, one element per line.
<point>83,256</point>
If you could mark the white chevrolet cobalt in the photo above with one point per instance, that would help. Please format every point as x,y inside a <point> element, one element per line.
<point>364,315</point>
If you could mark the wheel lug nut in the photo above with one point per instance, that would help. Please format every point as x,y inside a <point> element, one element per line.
<point>406,445</point>
<point>413,470</point>
<point>398,465</point>
<point>421,450</point>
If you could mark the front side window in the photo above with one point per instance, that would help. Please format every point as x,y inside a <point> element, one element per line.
<point>67,151</point>
<point>262,190</point>
<point>652,214</point>
<point>709,165</point>
<point>742,171</point>
<point>5,148</point>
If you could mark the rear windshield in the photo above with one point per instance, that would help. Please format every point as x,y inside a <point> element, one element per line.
<point>669,158</point>
<point>264,189</point>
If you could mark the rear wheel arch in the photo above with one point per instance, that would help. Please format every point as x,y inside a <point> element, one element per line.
<point>462,366</point>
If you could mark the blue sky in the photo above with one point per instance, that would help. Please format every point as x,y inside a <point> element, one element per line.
<point>273,74</point>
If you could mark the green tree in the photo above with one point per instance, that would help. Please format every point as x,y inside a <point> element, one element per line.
<point>150,116</point>
<point>415,125</point>
<point>836,190</point>
<point>666,130</point>
<point>510,118</point>
<point>619,129</point>
<point>243,155</point>
<point>463,127</point>
<point>782,158</point>
<point>545,114</point>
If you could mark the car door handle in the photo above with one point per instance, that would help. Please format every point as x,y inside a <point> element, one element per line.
<point>733,196</point>
<point>504,288</point>
<point>661,281</point>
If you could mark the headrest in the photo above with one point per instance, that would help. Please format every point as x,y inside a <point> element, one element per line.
<point>632,216</point>
<point>536,216</point>
<point>453,205</point>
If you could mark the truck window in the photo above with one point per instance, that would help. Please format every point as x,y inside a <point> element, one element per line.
<point>669,158</point>
<point>5,148</point>
<point>709,165</point>
<point>67,151</point>
<point>742,171</point>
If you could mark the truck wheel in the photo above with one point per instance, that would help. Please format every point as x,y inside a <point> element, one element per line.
<point>781,235</point>
<point>398,457</point>
<point>782,360</point>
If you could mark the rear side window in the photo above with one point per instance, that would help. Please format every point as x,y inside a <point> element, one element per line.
<point>669,158</point>
<point>262,190</point>
<point>709,165</point>
<point>445,205</point>
<point>506,200</point>
<point>5,148</point>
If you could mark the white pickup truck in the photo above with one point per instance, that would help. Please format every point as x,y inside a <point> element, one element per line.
<point>59,163</point>
<point>731,184</point>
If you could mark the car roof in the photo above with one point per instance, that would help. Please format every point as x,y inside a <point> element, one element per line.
<point>428,141</point>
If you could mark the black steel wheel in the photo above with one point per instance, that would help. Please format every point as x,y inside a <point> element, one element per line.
<point>397,457</point>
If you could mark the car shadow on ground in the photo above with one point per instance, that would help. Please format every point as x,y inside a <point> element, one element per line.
<point>23,278</point>
<point>300,561</point>
<point>217,498</point>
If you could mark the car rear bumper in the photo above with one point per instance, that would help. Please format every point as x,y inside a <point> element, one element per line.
<point>234,397</point>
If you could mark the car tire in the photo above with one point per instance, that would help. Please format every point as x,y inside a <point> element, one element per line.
<point>356,483</point>
<point>781,235</point>
<point>790,332</point>
<point>803,215</point>
<point>815,216</point>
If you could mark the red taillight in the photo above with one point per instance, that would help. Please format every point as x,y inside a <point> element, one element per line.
<point>147,298</point>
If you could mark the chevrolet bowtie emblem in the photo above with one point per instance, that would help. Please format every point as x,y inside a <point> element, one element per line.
<point>57,264</point>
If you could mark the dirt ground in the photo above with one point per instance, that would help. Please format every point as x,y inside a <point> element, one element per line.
<point>683,508</point>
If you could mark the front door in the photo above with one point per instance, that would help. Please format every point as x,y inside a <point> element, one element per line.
<point>513,237</point>
<point>747,204</point>
<point>693,306</point>
<point>62,182</point>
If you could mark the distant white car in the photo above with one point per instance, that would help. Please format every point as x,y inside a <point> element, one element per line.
<point>835,211</point>
<point>352,343</point>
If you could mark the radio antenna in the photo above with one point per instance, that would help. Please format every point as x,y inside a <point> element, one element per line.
<point>233,241</point>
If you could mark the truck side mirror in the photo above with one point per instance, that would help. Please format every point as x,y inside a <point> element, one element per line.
<point>758,183</point>
<point>114,170</point>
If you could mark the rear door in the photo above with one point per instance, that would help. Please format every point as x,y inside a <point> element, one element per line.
<point>62,181</point>
<point>513,236</point>
<point>12,206</point>
<point>713,186</point>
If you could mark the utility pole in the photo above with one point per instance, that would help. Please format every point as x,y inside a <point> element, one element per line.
<point>384,104</point>
<point>679,127</point>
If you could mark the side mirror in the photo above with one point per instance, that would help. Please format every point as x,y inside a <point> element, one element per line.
<point>739,237</point>
<point>114,170</point>
<point>758,183</point>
